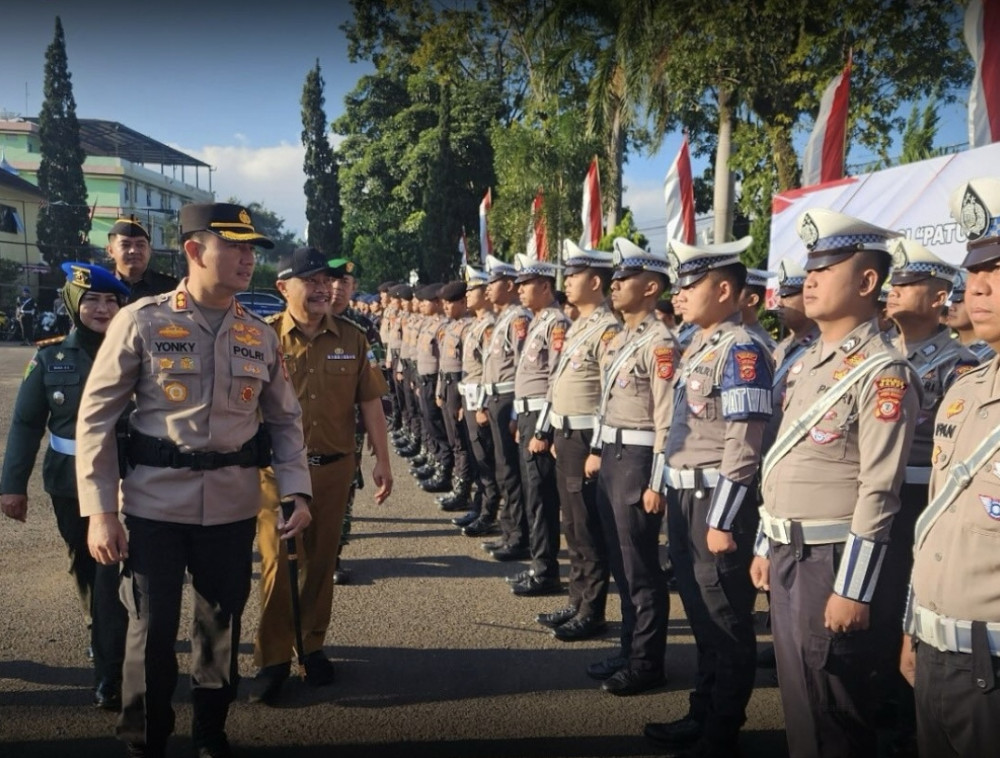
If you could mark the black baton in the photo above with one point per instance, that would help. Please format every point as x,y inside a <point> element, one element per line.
<point>287,507</point>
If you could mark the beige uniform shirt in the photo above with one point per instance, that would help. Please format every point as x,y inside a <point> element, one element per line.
<point>203,392</point>
<point>474,342</point>
<point>452,337</point>
<point>722,403</point>
<point>429,345</point>
<point>786,355</point>
<point>639,389</point>
<point>938,361</point>
<point>505,343</point>
<point>542,347</point>
<point>575,389</point>
<point>850,464</point>
<point>956,570</point>
<point>331,373</point>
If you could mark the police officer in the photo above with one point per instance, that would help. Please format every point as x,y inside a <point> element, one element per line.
<point>450,396</point>
<point>206,375</point>
<point>25,308</point>
<point>952,652</point>
<point>722,404</point>
<point>48,399</point>
<point>487,499</point>
<point>428,357</point>
<point>830,484</point>
<point>573,399</point>
<point>330,364</point>
<point>957,319</point>
<point>503,349</point>
<point>629,439</point>
<point>536,286</point>
<point>752,299</point>
<point>128,246</point>
<point>406,442</point>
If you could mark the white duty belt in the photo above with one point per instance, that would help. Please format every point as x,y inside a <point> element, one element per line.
<point>528,404</point>
<point>951,635</point>
<point>500,388</point>
<point>814,531</point>
<point>687,478</point>
<point>572,423</point>
<point>611,435</point>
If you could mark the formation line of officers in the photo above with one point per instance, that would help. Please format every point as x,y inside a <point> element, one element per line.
<point>852,472</point>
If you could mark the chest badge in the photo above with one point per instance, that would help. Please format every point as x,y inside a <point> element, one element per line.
<point>58,397</point>
<point>797,368</point>
<point>246,394</point>
<point>173,331</point>
<point>175,392</point>
<point>992,506</point>
<point>955,408</point>
<point>821,437</point>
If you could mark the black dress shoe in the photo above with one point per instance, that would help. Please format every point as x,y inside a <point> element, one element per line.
<point>607,668</point>
<point>675,734</point>
<point>554,619</point>
<point>424,472</point>
<point>341,575</point>
<point>521,576</point>
<point>465,520</point>
<point>418,460</point>
<point>264,687</point>
<point>453,506</point>
<point>492,545</point>
<point>580,628</point>
<point>436,483</point>
<point>108,695</point>
<point>319,669</point>
<point>481,527</point>
<point>510,553</point>
<point>217,747</point>
<point>536,586</point>
<point>630,681</point>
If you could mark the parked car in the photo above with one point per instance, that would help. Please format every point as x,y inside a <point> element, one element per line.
<point>261,302</point>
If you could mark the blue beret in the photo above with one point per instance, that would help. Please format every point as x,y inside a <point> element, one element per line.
<point>87,276</point>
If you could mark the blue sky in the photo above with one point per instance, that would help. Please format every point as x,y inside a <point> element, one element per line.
<point>221,80</point>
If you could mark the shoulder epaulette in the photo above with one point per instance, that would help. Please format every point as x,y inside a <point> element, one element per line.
<point>50,341</point>
<point>965,376</point>
<point>253,314</point>
<point>144,302</point>
<point>273,319</point>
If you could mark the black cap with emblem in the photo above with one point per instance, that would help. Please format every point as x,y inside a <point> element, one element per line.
<point>128,227</point>
<point>453,291</point>
<point>226,220</point>
<point>976,207</point>
<point>303,262</point>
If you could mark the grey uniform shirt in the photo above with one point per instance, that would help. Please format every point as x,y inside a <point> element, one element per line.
<point>505,344</point>
<point>575,389</point>
<point>540,355</point>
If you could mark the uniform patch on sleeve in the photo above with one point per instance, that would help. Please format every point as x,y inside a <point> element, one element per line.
<point>30,367</point>
<point>889,391</point>
<point>664,362</point>
<point>746,384</point>
<point>558,338</point>
<point>609,334</point>
<point>521,327</point>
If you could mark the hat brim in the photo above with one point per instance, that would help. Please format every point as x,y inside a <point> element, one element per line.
<point>251,238</point>
<point>982,251</point>
<point>814,262</point>
<point>625,273</point>
<point>912,277</point>
<point>688,279</point>
<point>304,274</point>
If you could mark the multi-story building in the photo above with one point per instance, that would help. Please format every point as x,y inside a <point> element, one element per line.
<point>125,172</point>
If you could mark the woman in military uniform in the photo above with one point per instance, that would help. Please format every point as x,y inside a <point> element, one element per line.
<point>49,399</point>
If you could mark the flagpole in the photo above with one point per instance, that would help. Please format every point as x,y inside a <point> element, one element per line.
<point>847,115</point>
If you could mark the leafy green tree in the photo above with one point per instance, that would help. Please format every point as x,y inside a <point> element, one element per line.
<point>322,186</point>
<point>64,222</point>
<point>272,226</point>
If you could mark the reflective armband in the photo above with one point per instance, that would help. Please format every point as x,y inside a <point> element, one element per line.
<point>656,475</point>
<point>859,568</point>
<point>761,544</point>
<point>727,497</point>
<point>543,424</point>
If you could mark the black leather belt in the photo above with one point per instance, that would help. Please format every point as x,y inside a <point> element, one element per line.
<point>452,376</point>
<point>321,460</point>
<point>428,378</point>
<point>144,450</point>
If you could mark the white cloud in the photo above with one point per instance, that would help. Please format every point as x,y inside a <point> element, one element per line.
<point>645,200</point>
<point>271,176</point>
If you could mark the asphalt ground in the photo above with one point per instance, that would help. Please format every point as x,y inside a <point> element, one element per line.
<point>434,656</point>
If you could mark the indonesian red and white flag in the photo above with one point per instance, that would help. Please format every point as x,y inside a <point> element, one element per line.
<point>678,192</point>
<point>463,248</point>
<point>593,221</point>
<point>538,246</point>
<point>982,35</point>
<point>485,242</point>
<point>824,157</point>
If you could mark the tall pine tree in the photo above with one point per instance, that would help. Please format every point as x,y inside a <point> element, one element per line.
<point>64,222</point>
<point>322,187</point>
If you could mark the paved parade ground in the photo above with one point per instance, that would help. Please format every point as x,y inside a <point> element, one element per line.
<point>434,656</point>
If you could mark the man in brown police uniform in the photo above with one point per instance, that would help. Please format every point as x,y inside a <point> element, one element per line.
<point>332,369</point>
<point>450,397</point>
<point>722,404</point>
<point>536,284</point>
<point>830,484</point>
<point>632,423</point>
<point>209,387</point>
<point>960,324</point>
<point>953,615</point>
<point>482,517</point>
<point>128,246</point>
<point>503,348</point>
<point>573,399</point>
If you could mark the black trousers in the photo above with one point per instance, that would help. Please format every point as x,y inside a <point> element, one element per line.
<point>219,560</point>
<point>635,557</point>
<point>541,500</point>
<point>718,599</point>
<point>956,717</point>
<point>412,403</point>
<point>487,498</point>
<point>97,587</point>
<point>458,433</point>
<point>824,678</point>
<point>581,523</point>
<point>433,421</point>
<point>513,522</point>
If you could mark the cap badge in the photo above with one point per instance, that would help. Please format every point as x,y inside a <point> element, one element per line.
<point>808,232</point>
<point>782,274</point>
<point>81,277</point>
<point>899,259</point>
<point>616,256</point>
<point>244,216</point>
<point>673,261</point>
<point>975,218</point>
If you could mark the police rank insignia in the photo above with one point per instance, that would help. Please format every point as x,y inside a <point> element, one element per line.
<point>173,331</point>
<point>175,392</point>
<point>955,408</point>
<point>992,506</point>
<point>187,362</point>
<point>166,364</point>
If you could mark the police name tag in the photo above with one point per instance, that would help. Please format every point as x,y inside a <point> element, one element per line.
<point>341,356</point>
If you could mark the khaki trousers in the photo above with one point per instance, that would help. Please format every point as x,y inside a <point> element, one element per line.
<point>317,557</point>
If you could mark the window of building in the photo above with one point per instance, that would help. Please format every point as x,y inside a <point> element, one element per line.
<point>10,220</point>
<point>126,193</point>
